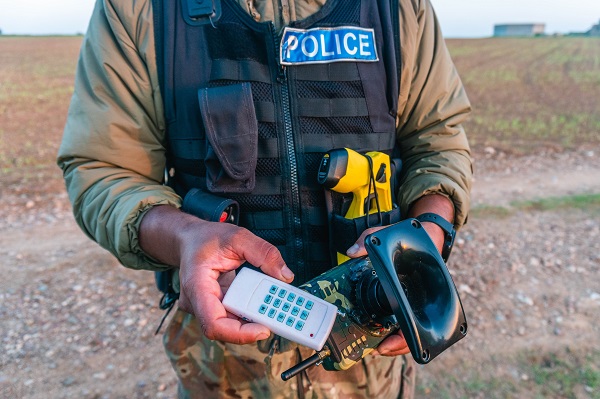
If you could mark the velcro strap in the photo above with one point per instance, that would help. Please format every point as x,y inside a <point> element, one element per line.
<point>345,232</point>
<point>268,148</point>
<point>361,142</point>
<point>332,72</point>
<point>265,111</point>
<point>240,70</point>
<point>315,217</point>
<point>330,107</point>
<point>272,220</point>
<point>195,148</point>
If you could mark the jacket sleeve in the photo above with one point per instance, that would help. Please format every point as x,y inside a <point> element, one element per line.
<point>113,154</point>
<point>432,106</point>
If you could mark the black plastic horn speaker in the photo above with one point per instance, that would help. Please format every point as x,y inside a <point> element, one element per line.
<point>419,288</point>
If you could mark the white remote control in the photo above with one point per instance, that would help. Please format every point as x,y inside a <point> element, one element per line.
<point>286,310</point>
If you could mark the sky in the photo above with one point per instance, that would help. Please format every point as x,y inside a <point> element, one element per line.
<point>458,18</point>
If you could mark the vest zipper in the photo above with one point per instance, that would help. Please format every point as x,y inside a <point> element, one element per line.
<point>293,162</point>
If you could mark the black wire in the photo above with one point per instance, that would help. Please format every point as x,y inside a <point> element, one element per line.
<point>373,184</point>
<point>170,306</point>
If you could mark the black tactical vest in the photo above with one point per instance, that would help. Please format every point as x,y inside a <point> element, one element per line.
<point>241,125</point>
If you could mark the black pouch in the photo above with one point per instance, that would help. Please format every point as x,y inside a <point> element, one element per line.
<point>232,131</point>
<point>345,232</point>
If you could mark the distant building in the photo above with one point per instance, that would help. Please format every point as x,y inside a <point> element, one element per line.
<point>595,31</point>
<point>519,30</point>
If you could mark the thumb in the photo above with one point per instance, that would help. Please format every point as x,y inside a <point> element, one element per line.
<point>358,249</point>
<point>265,256</point>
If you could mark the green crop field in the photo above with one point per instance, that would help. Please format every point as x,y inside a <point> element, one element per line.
<point>531,92</point>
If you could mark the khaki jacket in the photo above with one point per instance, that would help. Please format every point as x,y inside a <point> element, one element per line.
<point>113,149</point>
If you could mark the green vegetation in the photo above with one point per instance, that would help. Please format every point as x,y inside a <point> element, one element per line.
<point>531,92</point>
<point>483,211</point>
<point>587,202</point>
<point>564,376</point>
<point>533,375</point>
<point>583,201</point>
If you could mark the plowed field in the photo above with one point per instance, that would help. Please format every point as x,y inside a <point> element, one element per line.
<point>75,324</point>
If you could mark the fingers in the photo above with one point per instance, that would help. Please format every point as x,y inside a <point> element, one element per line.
<point>234,331</point>
<point>204,301</point>
<point>206,273</point>
<point>225,281</point>
<point>264,255</point>
<point>358,249</point>
<point>393,345</point>
<point>216,324</point>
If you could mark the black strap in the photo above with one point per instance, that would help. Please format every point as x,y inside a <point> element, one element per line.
<point>240,70</point>
<point>337,71</point>
<point>157,12</point>
<point>449,231</point>
<point>396,27</point>
<point>332,107</point>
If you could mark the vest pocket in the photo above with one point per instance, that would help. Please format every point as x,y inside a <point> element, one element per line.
<point>231,127</point>
<point>345,232</point>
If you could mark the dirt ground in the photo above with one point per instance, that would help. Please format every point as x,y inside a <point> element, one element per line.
<point>75,324</point>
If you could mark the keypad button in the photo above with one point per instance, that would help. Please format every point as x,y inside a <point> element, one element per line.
<point>304,315</point>
<point>291,297</point>
<point>273,289</point>
<point>295,311</point>
<point>268,298</point>
<point>282,293</point>
<point>286,307</point>
<point>281,317</point>
<point>309,305</point>
<point>262,309</point>
<point>277,302</point>
<point>290,321</point>
<point>300,301</point>
<point>299,325</point>
<point>272,313</point>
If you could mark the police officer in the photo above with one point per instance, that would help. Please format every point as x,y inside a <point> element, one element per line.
<point>243,107</point>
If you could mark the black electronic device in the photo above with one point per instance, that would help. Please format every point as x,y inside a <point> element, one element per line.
<point>403,284</point>
<point>418,288</point>
<point>201,12</point>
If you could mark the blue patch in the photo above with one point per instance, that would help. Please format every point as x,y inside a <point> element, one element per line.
<point>324,45</point>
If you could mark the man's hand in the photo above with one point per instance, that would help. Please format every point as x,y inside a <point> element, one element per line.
<point>206,252</point>
<point>395,344</point>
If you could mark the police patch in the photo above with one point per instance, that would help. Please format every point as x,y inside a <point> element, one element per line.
<point>324,45</point>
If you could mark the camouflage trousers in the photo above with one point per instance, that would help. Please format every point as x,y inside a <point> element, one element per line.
<point>211,369</point>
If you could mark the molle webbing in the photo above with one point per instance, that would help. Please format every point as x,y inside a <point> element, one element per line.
<point>341,104</point>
